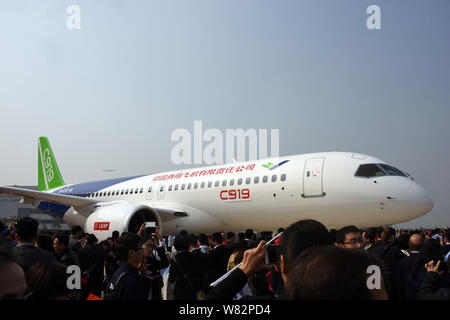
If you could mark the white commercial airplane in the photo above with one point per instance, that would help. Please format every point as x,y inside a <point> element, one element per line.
<point>335,188</point>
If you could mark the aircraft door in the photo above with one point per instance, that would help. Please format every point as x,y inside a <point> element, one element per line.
<point>313,178</point>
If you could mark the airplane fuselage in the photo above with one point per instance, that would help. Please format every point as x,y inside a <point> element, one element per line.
<point>263,195</point>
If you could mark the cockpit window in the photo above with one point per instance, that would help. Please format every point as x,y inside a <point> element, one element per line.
<point>369,170</point>
<point>391,170</point>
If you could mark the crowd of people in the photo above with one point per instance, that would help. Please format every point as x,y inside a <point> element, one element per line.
<point>306,261</point>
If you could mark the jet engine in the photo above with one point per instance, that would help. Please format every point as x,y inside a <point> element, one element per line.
<point>119,215</point>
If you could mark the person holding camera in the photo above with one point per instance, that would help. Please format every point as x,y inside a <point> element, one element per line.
<point>155,259</point>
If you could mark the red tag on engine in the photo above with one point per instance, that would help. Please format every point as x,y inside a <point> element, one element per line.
<point>101,226</point>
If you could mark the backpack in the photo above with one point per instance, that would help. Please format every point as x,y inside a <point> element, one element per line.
<point>111,294</point>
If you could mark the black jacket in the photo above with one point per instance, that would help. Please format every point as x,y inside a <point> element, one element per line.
<point>200,260</point>
<point>28,254</point>
<point>182,273</point>
<point>92,259</point>
<point>404,290</point>
<point>131,286</point>
<point>74,245</point>
<point>154,266</point>
<point>390,254</point>
<point>429,290</point>
<point>68,258</point>
<point>218,261</point>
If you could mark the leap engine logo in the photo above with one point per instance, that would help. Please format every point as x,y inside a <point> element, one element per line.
<point>102,226</point>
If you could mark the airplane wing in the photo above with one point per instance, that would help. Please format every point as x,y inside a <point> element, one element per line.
<point>31,195</point>
<point>83,205</point>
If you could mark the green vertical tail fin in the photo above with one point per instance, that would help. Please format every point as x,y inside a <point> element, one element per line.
<point>49,176</point>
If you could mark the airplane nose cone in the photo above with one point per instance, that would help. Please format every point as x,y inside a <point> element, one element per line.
<point>419,200</point>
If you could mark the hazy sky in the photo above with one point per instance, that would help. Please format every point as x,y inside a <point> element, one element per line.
<point>109,95</point>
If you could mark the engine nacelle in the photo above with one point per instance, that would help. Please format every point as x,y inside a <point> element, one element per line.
<point>121,216</point>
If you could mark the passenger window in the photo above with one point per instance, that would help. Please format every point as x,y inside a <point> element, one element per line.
<point>136,190</point>
<point>126,191</point>
<point>149,190</point>
<point>231,182</point>
<point>109,193</point>
<point>170,188</point>
<point>209,184</point>
<point>123,191</point>
<point>224,183</point>
<point>369,170</point>
<point>161,189</point>
<point>176,188</point>
<point>183,186</point>
<point>248,180</point>
<point>131,191</point>
<point>274,178</point>
<point>239,182</point>
<point>265,178</point>
<point>217,183</point>
<point>283,177</point>
<point>256,180</point>
<point>202,185</point>
<point>189,186</point>
<point>142,190</point>
<point>195,185</point>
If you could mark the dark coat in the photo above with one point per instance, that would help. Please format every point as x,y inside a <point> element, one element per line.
<point>74,245</point>
<point>182,273</point>
<point>92,259</point>
<point>218,261</point>
<point>131,286</point>
<point>404,290</point>
<point>429,290</point>
<point>68,258</point>
<point>390,254</point>
<point>200,260</point>
<point>27,255</point>
<point>154,266</point>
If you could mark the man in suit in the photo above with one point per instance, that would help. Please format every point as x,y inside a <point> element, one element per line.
<point>92,259</point>
<point>182,273</point>
<point>200,260</point>
<point>231,241</point>
<point>155,261</point>
<point>218,259</point>
<point>62,252</point>
<point>416,243</point>
<point>75,234</point>
<point>25,251</point>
